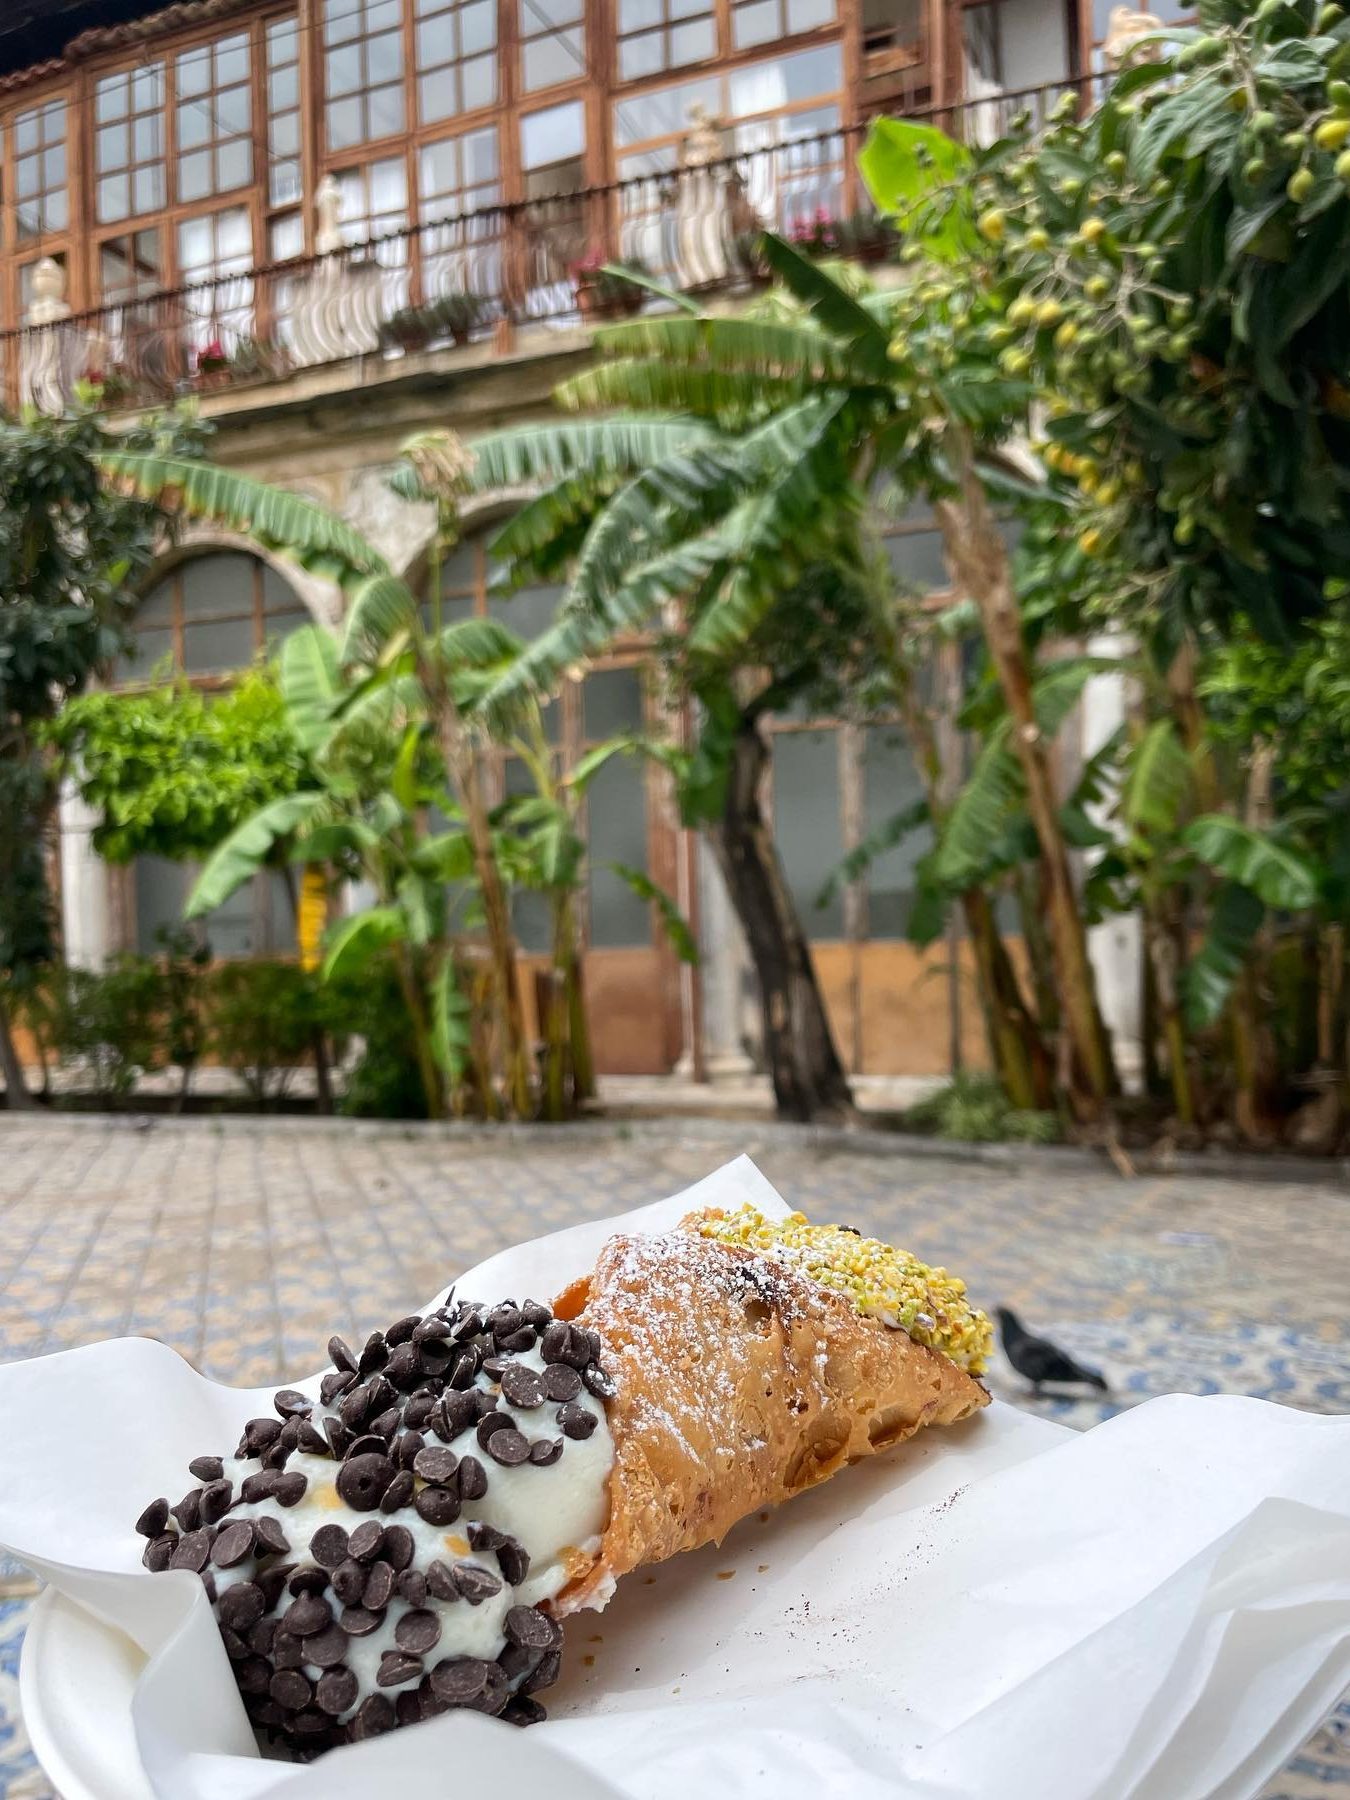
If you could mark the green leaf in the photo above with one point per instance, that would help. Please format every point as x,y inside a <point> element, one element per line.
<point>354,942</point>
<point>380,610</point>
<point>904,165</point>
<point>311,683</point>
<point>1279,876</point>
<point>1157,780</point>
<point>247,849</point>
<point>830,302</point>
<point>861,857</point>
<point>447,857</point>
<point>403,778</point>
<point>1208,978</point>
<point>673,921</point>
<point>451,1021</point>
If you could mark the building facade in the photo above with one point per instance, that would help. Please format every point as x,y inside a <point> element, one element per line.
<point>338,222</point>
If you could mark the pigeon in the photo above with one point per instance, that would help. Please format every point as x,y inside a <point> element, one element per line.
<point>1039,1360</point>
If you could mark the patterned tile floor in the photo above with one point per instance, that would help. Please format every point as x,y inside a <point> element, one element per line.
<point>245,1248</point>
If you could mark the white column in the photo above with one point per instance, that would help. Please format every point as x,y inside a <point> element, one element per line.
<point>1115,947</point>
<point>730,1014</point>
<point>86,909</point>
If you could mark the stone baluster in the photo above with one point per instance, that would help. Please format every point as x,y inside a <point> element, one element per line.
<point>708,207</point>
<point>44,354</point>
<point>336,310</point>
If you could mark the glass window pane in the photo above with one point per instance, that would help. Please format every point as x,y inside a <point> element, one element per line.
<point>641,55</point>
<point>217,646</point>
<point>114,198</point>
<point>806,823</point>
<point>806,15</point>
<point>234,112</point>
<point>528,612</point>
<point>112,147</point>
<point>692,42</point>
<point>57,211</point>
<point>234,167</point>
<point>283,88</point>
<point>287,234</point>
<point>149,189</point>
<point>612,703</point>
<point>384,58</point>
<point>111,99</point>
<point>231,61</point>
<point>28,179</point>
<point>194,175</point>
<point>157,607</point>
<point>478,82</point>
<point>553,135</point>
<point>194,126</point>
<point>388,185</point>
<point>436,41</point>
<point>147,144</point>
<point>147,89</point>
<point>755,24</point>
<point>161,889</point>
<point>344,71</point>
<point>477,27</point>
<point>386,112</point>
<point>282,41</point>
<point>147,653</point>
<point>559,57</point>
<point>616,829</point>
<point>212,585</point>
<point>918,560</point>
<point>196,246</point>
<point>890,785</point>
<point>344,124</point>
<point>194,72</point>
<point>26,132</point>
<point>285,135</point>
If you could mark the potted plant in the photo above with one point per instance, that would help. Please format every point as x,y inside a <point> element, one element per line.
<point>747,258</point>
<point>256,359</point>
<point>816,234</point>
<point>868,237</point>
<point>603,290</point>
<point>451,316</point>
<point>211,364</point>
<point>113,387</point>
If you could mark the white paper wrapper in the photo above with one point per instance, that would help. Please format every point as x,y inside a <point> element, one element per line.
<point>1158,1608</point>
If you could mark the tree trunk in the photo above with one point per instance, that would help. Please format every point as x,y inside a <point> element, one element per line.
<point>427,1066</point>
<point>979,561</point>
<point>1018,1050</point>
<point>808,1077</point>
<point>1162,955</point>
<point>318,1038</point>
<point>17,1096</point>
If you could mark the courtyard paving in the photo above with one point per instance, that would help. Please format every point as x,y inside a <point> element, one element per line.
<point>245,1246</point>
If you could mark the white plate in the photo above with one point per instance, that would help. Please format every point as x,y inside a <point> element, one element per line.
<point>76,1679</point>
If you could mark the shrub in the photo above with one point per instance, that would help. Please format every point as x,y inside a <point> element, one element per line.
<point>385,1083</point>
<point>264,1017</point>
<point>111,1022</point>
<point>972,1109</point>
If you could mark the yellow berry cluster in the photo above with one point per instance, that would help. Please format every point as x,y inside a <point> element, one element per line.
<point>883,1283</point>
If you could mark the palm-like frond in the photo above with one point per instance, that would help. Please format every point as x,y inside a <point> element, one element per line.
<point>381,608</point>
<point>729,344</point>
<point>529,454</point>
<point>273,517</point>
<point>837,310</point>
<point>311,683</point>
<point>1157,779</point>
<point>729,397</point>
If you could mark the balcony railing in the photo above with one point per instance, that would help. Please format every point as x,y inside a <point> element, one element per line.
<point>471,278</point>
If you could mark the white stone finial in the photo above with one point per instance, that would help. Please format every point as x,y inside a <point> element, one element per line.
<point>1125,29</point>
<point>327,202</point>
<point>703,141</point>
<point>48,290</point>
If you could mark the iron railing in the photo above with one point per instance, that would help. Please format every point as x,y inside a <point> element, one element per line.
<point>456,280</point>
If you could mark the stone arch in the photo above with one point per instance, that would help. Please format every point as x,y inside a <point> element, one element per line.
<point>322,599</point>
<point>477,514</point>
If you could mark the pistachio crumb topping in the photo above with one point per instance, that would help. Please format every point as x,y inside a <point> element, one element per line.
<point>883,1283</point>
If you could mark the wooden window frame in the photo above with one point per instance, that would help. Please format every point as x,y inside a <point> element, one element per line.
<point>257,612</point>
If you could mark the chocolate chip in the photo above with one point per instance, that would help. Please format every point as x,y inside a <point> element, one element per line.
<point>469,1324</point>
<point>341,1356</point>
<point>406,1447</point>
<point>374,1356</point>
<point>327,1648</point>
<point>359,1621</point>
<point>600,1384</point>
<point>399,1492</point>
<point>253,1674</point>
<point>544,1452</point>
<point>437,1505</point>
<point>290,1488</point>
<point>464,1371</point>
<point>337,1690</point>
<point>387,1423</point>
<point>311,1440</point>
<point>353,1406</point>
<point>379,1588</point>
<point>460,1412</point>
<point>188,1511</point>
<point>522,1385</point>
<point>216,1499</point>
<point>545,1675</point>
<point>404,1368</point>
<point>413,1586</point>
<point>491,1424</point>
<point>335,1382</point>
<point>338,1437</point>
<point>259,1433</point>
<point>382,1394</point>
<point>397,1549</point>
<point>516,1663</point>
<point>309,1578</point>
<point>373,1717</point>
<point>191,1551</point>
<point>262,1636</point>
<point>473,1481</point>
<point>515,1342</point>
<point>272,1540</point>
<point>310,1724</point>
<point>158,1552</point>
<point>290,1401</point>
<point>259,1486</point>
<point>504,1319</point>
<point>514,1561</point>
<point>396,1668</point>
<point>233,1544</point>
<point>206,1468</point>
<point>370,1443</point>
<point>434,1357</point>
<point>521,1710</point>
<point>291,1689</point>
<point>535,1314</point>
<point>408,1707</point>
<point>153,1520</point>
<point>366,1541</point>
<point>436,1463</point>
<point>362,1481</point>
<point>418,1631</point>
<point>483,1536</point>
<point>530,1628</point>
<point>561,1383</point>
<point>306,1616</point>
<point>556,1337</point>
<point>272,1581</point>
<point>235,1647</point>
<point>276,1456</point>
<point>440,1582</point>
<point>578,1352</point>
<point>575,1421</point>
<point>328,1546</point>
<point>349,1582</point>
<point>475,1583</point>
<point>242,1605</point>
<point>401,1330</point>
<point>287,1652</point>
<point>460,1680</point>
<point>509,1447</point>
<point>433,1326</point>
<point>419,1411</point>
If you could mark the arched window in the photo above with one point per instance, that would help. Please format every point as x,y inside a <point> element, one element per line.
<point>209,617</point>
